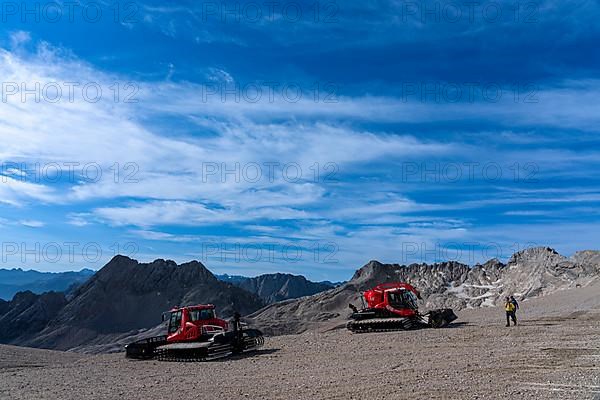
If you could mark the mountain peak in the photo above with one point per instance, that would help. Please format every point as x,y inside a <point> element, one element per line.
<point>87,271</point>
<point>492,263</point>
<point>536,254</point>
<point>367,270</point>
<point>162,261</point>
<point>120,258</point>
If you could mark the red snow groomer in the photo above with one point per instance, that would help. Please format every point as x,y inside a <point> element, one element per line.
<point>194,333</point>
<point>393,307</point>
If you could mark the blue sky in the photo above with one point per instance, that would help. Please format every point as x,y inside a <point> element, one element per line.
<point>302,137</point>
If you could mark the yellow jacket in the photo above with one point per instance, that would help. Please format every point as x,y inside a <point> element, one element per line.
<point>509,306</point>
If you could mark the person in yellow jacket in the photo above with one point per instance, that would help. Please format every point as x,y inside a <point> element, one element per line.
<point>511,311</point>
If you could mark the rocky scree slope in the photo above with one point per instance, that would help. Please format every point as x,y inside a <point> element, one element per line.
<point>28,313</point>
<point>529,273</point>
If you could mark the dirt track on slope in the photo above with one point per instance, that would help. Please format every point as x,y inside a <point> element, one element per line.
<point>553,354</point>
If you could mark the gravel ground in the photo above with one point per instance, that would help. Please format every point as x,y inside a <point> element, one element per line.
<point>553,354</point>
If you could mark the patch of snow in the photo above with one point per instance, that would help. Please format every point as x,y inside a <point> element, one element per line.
<point>459,292</point>
<point>483,286</point>
<point>489,302</point>
<point>483,296</point>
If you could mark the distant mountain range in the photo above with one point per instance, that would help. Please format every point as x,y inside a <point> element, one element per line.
<point>16,280</point>
<point>277,287</point>
<point>125,299</point>
<point>269,287</point>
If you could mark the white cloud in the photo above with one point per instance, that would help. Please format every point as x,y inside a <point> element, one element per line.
<point>19,38</point>
<point>220,76</point>
<point>17,192</point>
<point>79,219</point>
<point>569,104</point>
<point>169,168</point>
<point>32,223</point>
<point>157,213</point>
<point>156,235</point>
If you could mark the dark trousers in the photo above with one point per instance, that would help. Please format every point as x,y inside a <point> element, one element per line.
<point>511,315</point>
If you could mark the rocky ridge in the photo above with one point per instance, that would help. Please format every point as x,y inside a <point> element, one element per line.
<point>529,273</point>
<point>276,287</point>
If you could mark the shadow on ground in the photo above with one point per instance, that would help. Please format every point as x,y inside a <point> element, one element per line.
<point>456,325</point>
